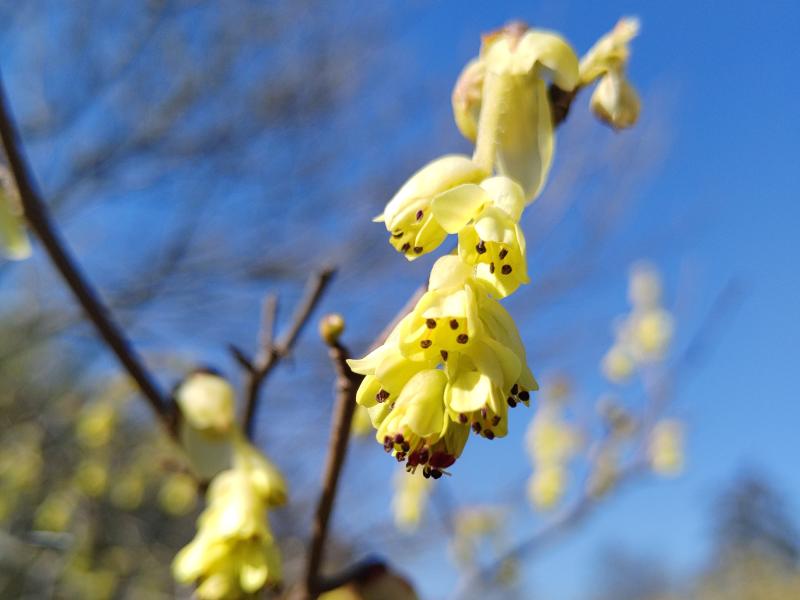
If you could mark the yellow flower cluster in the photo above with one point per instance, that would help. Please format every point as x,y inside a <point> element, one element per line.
<point>233,553</point>
<point>642,336</point>
<point>551,443</point>
<point>457,361</point>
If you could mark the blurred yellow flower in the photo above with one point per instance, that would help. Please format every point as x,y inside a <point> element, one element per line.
<point>666,448</point>
<point>408,216</point>
<point>411,492</point>
<point>95,424</point>
<point>500,101</point>
<point>233,553</point>
<point>178,494</point>
<point>91,476</point>
<point>55,512</point>
<point>617,365</point>
<point>265,477</point>
<point>547,486</point>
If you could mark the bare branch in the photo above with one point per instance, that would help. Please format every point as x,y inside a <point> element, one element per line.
<point>38,217</point>
<point>347,383</point>
<point>271,353</point>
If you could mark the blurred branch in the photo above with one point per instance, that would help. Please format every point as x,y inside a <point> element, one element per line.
<point>347,383</point>
<point>39,219</point>
<point>269,353</point>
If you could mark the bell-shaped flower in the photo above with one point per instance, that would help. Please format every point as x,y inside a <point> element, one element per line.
<point>614,100</point>
<point>265,477</point>
<point>14,243</point>
<point>486,218</point>
<point>500,101</point>
<point>408,218</point>
<point>233,553</point>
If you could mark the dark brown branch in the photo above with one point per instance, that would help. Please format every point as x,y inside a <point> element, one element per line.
<point>347,383</point>
<point>270,353</point>
<point>39,219</point>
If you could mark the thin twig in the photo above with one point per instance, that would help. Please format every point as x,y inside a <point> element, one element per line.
<point>270,353</point>
<point>347,383</point>
<point>38,216</point>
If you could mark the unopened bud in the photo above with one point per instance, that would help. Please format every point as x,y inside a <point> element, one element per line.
<point>331,327</point>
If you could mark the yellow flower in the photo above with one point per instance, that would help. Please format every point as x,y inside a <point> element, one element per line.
<point>408,218</point>
<point>614,100</point>
<point>500,101</point>
<point>486,218</point>
<point>651,333</point>
<point>264,476</point>
<point>417,428</point>
<point>666,448</point>
<point>207,403</point>
<point>13,238</point>
<point>96,424</point>
<point>410,498</point>
<point>547,486</point>
<point>178,494</point>
<point>617,364</point>
<point>233,553</point>
<point>550,440</point>
<point>92,477</point>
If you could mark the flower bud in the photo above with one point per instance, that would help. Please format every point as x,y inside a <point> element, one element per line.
<point>14,243</point>
<point>331,327</point>
<point>207,403</point>
<point>615,102</point>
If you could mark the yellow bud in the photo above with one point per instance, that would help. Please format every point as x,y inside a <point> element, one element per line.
<point>331,327</point>
<point>95,424</point>
<point>92,477</point>
<point>546,487</point>
<point>14,242</point>
<point>207,404</point>
<point>666,448</point>
<point>615,102</point>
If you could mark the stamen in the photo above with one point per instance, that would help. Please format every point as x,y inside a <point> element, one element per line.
<point>406,247</point>
<point>426,343</point>
<point>523,395</point>
<point>463,338</point>
<point>430,323</point>
<point>436,473</point>
<point>506,269</point>
<point>453,323</point>
<point>503,253</point>
<point>511,402</point>
<point>480,248</point>
<point>476,427</point>
<point>419,215</point>
<point>489,434</point>
<point>462,418</point>
<point>400,456</point>
<point>491,267</point>
<point>514,389</point>
<point>496,421</point>
<point>397,234</point>
<point>398,438</point>
<point>417,249</point>
<point>382,395</point>
<point>444,354</point>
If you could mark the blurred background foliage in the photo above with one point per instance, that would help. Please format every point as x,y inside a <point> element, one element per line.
<point>199,154</point>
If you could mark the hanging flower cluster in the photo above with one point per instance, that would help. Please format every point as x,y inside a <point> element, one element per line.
<point>233,553</point>
<point>456,363</point>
